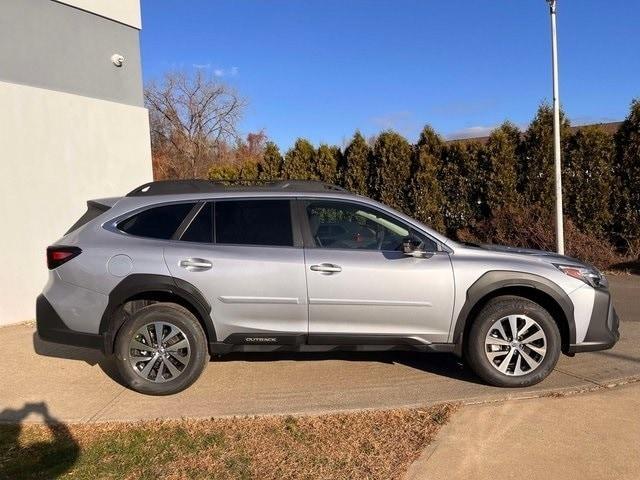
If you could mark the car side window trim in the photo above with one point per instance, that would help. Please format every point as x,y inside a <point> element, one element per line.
<point>188,220</point>
<point>309,243</point>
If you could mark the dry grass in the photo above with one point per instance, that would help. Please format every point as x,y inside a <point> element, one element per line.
<point>362,445</point>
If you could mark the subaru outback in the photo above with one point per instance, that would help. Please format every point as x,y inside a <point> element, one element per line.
<point>178,271</point>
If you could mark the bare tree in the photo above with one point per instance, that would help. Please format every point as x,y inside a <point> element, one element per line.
<point>251,149</point>
<point>193,117</point>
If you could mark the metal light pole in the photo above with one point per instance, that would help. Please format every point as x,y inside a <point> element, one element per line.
<point>556,129</point>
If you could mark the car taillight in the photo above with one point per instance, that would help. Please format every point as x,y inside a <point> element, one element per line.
<point>57,255</point>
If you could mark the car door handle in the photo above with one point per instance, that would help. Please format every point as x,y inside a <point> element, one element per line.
<point>326,268</point>
<point>196,264</point>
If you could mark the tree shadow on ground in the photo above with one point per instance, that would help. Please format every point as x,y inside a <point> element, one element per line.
<point>40,457</point>
<point>632,267</point>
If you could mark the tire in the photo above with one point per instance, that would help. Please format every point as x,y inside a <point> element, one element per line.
<point>172,367</point>
<point>486,340</point>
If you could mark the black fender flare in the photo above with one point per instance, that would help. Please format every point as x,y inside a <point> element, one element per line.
<point>140,284</point>
<point>494,281</point>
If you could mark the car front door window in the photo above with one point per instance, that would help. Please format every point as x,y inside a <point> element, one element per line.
<point>351,226</point>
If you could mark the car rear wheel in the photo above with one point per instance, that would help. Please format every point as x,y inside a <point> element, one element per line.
<point>513,342</point>
<point>161,350</point>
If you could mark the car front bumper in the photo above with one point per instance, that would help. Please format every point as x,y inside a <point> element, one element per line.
<point>602,333</point>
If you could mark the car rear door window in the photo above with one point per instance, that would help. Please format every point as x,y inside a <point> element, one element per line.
<point>201,227</point>
<point>158,222</point>
<point>254,222</point>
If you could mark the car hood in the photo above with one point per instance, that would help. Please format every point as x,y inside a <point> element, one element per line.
<point>551,257</point>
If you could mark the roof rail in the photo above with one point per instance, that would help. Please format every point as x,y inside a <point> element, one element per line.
<point>306,186</point>
<point>168,187</point>
<point>173,187</point>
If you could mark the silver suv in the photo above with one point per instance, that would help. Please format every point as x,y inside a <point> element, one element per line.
<point>177,271</point>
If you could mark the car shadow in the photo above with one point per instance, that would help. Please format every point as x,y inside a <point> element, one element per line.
<point>619,356</point>
<point>441,364</point>
<point>87,355</point>
<point>42,456</point>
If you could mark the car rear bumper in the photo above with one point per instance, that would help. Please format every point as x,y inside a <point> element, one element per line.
<point>602,333</point>
<point>51,328</point>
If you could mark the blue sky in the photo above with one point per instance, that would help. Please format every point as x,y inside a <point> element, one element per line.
<point>323,68</point>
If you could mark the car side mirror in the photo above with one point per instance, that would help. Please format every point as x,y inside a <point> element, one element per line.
<point>414,247</point>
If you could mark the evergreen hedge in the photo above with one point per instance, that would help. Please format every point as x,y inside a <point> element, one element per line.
<point>462,188</point>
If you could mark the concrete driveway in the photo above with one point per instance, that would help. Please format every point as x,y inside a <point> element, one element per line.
<point>76,385</point>
<point>592,436</point>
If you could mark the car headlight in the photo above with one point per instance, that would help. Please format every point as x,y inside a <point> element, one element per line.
<point>589,275</point>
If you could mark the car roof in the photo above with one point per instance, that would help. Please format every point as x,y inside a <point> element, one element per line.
<point>177,187</point>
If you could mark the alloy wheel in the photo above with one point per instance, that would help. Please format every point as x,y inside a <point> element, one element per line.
<point>159,352</point>
<point>515,345</point>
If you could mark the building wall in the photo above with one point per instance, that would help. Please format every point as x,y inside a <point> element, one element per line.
<point>51,45</point>
<point>123,11</point>
<point>72,128</point>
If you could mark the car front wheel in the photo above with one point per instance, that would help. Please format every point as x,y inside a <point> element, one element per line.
<point>513,342</point>
<point>161,350</point>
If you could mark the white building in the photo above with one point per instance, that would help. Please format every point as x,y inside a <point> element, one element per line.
<point>72,127</point>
